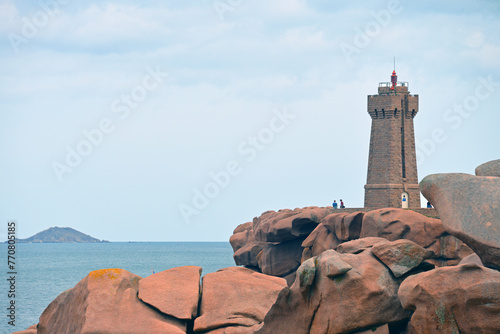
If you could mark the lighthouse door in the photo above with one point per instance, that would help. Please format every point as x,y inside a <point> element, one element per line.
<point>404,200</point>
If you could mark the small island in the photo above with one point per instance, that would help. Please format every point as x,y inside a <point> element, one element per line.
<point>60,235</point>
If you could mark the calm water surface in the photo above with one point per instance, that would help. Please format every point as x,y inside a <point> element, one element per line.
<point>46,270</point>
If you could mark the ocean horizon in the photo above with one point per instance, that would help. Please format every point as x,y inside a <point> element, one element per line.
<point>44,270</point>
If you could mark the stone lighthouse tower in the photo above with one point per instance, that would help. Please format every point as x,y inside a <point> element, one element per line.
<point>392,166</point>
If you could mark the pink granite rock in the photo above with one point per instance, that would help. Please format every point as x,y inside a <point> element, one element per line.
<point>349,300</point>
<point>469,207</point>
<point>105,302</point>
<point>236,296</point>
<point>287,224</point>
<point>461,299</point>
<point>400,256</point>
<point>174,292</point>
<point>320,240</point>
<point>491,168</point>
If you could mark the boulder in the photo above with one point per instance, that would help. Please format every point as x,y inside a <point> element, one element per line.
<point>491,168</point>
<point>461,299</point>
<point>346,226</point>
<point>394,224</point>
<point>174,291</point>
<point>240,236</point>
<point>30,330</point>
<point>245,247</point>
<point>287,224</point>
<point>472,259</point>
<point>469,207</point>
<point>448,251</point>
<point>105,301</point>
<point>320,240</point>
<point>359,245</point>
<point>400,256</point>
<point>236,296</point>
<point>347,300</point>
<point>281,259</point>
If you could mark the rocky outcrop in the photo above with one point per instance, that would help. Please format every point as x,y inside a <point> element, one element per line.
<point>105,302</point>
<point>459,299</point>
<point>272,243</point>
<point>469,207</point>
<point>232,300</point>
<point>491,168</point>
<point>174,292</point>
<point>400,256</point>
<point>337,293</point>
<point>238,298</point>
<point>394,224</point>
<point>276,243</point>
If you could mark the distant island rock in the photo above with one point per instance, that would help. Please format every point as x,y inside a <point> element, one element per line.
<point>60,235</point>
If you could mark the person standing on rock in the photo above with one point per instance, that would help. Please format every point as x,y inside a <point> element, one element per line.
<point>335,205</point>
<point>429,206</point>
<point>342,204</point>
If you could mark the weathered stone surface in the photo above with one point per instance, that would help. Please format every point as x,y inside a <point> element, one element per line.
<point>394,224</point>
<point>400,256</point>
<point>30,330</point>
<point>349,228</point>
<point>243,227</point>
<point>329,306</point>
<point>448,251</point>
<point>491,168</point>
<point>320,240</point>
<point>472,259</point>
<point>332,265</point>
<point>105,302</point>
<point>332,220</point>
<point>359,245</point>
<point>245,247</point>
<point>174,291</point>
<point>287,224</point>
<point>281,259</point>
<point>235,330</point>
<point>240,236</point>
<point>461,299</point>
<point>469,207</point>
<point>236,297</point>
<point>307,272</point>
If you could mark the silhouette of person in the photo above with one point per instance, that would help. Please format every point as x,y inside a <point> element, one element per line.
<point>429,206</point>
<point>342,204</point>
<point>334,204</point>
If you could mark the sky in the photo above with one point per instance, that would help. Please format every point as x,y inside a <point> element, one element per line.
<point>179,120</point>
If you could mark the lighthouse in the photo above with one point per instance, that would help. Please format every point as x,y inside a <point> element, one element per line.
<point>392,179</point>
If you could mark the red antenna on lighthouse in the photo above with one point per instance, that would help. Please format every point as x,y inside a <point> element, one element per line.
<point>394,77</point>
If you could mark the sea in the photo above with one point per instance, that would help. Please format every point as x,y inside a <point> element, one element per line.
<point>44,270</point>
